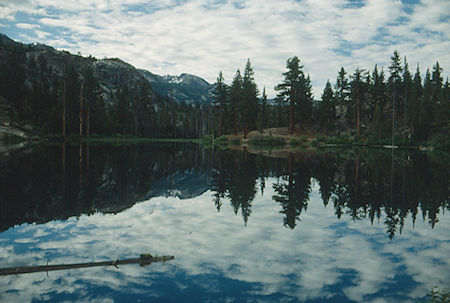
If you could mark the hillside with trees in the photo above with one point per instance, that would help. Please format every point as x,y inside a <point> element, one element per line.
<point>48,92</point>
<point>54,93</point>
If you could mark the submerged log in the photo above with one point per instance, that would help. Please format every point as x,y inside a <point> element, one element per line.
<point>143,260</point>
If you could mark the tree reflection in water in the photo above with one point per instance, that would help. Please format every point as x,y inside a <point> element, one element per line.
<point>59,182</point>
<point>360,184</point>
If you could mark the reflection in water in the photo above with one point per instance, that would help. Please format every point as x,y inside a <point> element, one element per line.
<point>361,185</point>
<point>310,227</point>
<point>37,187</point>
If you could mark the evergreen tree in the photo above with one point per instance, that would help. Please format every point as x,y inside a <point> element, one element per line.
<point>355,104</point>
<point>220,97</point>
<point>425,109</point>
<point>395,69</point>
<point>305,104</point>
<point>249,101</point>
<point>291,87</point>
<point>415,104</point>
<point>326,111</point>
<point>263,113</point>
<point>439,102</point>
<point>342,93</point>
<point>377,90</point>
<point>407,97</point>
<point>378,94</point>
<point>236,99</point>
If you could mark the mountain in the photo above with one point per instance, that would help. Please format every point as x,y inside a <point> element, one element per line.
<point>51,92</point>
<point>183,88</point>
<point>185,184</point>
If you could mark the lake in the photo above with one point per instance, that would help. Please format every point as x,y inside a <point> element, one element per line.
<point>340,225</point>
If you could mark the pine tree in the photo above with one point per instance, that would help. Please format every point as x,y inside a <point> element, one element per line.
<point>378,90</point>
<point>290,89</point>
<point>236,99</point>
<point>356,100</point>
<point>326,111</point>
<point>263,112</point>
<point>440,113</point>
<point>395,70</point>
<point>378,95</point>
<point>220,98</point>
<point>249,101</point>
<point>342,92</point>
<point>407,96</point>
<point>415,104</point>
<point>425,109</point>
<point>306,100</point>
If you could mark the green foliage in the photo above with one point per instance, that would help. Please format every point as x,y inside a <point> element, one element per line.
<point>294,142</point>
<point>341,138</point>
<point>208,140</point>
<point>325,114</point>
<point>321,138</point>
<point>298,141</point>
<point>221,140</point>
<point>266,141</point>
<point>296,91</point>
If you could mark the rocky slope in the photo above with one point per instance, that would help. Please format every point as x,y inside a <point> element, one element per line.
<point>35,78</point>
<point>183,88</point>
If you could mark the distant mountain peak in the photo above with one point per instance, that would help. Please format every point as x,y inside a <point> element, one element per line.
<point>182,88</point>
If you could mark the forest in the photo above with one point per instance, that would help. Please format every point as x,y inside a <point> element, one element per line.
<point>61,95</point>
<point>369,106</point>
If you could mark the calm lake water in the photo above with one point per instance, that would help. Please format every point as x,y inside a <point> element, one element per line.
<point>334,226</point>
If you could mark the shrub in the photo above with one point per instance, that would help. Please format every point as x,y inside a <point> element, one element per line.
<point>222,140</point>
<point>295,142</point>
<point>341,138</point>
<point>321,138</point>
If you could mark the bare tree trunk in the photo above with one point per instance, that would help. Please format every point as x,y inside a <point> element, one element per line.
<point>81,110</point>
<point>80,163</point>
<point>88,120</point>
<point>291,116</point>
<point>356,177</point>
<point>64,104</point>
<point>220,123</point>
<point>393,118</point>
<point>358,127</point>
<point>245,129</point>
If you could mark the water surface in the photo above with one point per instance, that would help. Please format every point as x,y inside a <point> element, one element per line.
<point>333,226</point>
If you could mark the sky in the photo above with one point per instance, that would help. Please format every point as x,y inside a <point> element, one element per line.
<point>205,37</point>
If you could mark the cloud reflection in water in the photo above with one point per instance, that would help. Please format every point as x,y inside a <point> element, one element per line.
<point>218,257</point>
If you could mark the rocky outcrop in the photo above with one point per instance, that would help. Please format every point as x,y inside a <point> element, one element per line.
<point>183,88</point>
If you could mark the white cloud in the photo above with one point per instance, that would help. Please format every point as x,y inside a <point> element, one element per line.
<point>203,38</point>
<point>27,25</point>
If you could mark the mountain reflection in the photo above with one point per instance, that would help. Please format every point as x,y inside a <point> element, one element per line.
<point>54,183</point>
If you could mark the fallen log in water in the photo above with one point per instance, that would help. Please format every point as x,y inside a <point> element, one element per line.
<point>143,260</point>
